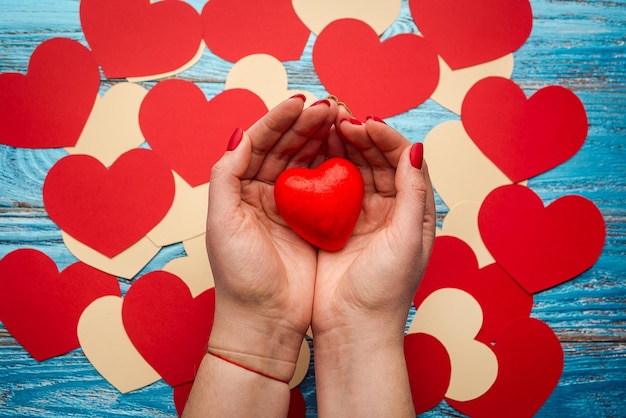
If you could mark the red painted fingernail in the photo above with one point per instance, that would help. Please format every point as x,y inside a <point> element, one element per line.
<point>235,139</point>
<point>417,155</point>
<point>376,118</point>
<point>353,121</point>
<point>326,102</point>
<point>299,96</point>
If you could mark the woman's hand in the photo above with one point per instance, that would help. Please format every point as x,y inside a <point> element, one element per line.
<point>363,292</point>
<point>264,273</point>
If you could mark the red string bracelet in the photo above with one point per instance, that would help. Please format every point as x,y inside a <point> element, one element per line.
<point>249,369</point>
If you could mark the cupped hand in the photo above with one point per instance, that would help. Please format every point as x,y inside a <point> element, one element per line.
<point>264,273</point>
<point>365,289</point>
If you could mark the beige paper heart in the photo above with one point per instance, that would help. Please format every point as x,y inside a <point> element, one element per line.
<point>265,76</point>
<point>187,215</point>
<point>379,14</point>
<point>462,222</point>
<point>459,171</point>
<point>126,264</point>
<point>106,345</point>
<point>302,365</point>
<point>113,125</point>
<point>454,317</point>
<point>454,84</point>
<point>194,269</point>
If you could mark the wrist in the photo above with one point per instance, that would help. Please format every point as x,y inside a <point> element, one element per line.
<point>267,346</point>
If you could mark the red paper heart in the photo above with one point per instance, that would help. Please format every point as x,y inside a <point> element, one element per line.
<point>470,32</point>
<point>374,77</point>
<point>40,307</point>
<point>168,326</point>
<point>523,137</point>
<point>109,210</point>
<point>429,368</point>
<point>540,247</point>
<point>453,264</point>
<point>322,204</point>
<point>138,38</point>
<point>48,107</point>
<point>530,363</point>
<point>236,29</point>
<point>190,133</point>
<point>180,395</point>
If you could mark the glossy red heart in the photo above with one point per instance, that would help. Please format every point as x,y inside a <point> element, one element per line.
<point>191,133</point>
<point>168,326</point>
<point>234,29</point>
<point>453,264</point>
<point>109,209</point>
<point>323,204</point>
<point>530,363</point>
<point>429,369</point>
<point>471,32</point>
<point>375,78</point>
<point>138,38</point>
<point>540,247</point>
<point>49,106</point>
<point>40,306</point>
<point>523,137</point>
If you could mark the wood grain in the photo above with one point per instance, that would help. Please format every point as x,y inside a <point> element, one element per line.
<point>577,44</point>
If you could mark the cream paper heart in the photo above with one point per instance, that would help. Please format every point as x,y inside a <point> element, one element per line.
<point>187,216</point>
<point>113,125</point>
<point>194,269</point>
<point>126,264</point>
<point>454,317</point>
<point>454,84</point>
<point>302,365</point>
<point>106,345</point>
<point>265,76</point>
<point>379,14</point>
<point>462,222</point>
<point>459,171</point>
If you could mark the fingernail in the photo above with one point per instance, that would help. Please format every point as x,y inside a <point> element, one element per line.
<point>326,102</point>
<point>417,155</point>
<point>235,139</point>
<point>353,121</point>
<point>299,96</point>
<point>376,118</point>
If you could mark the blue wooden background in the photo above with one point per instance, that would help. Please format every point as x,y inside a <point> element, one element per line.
<point>577,44</point>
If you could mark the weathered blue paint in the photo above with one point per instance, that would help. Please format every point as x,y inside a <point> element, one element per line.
<point>580,45</point>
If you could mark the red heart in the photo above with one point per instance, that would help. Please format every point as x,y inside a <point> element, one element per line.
<point>236,29</point>
<point>168,326</point>
<point>470,32</point>
<point>429,369</point>
<point>190,133</point>
<point>453,264</point>
<point>138,38</point>
<point>109,210</point>
<point>374,77</point>
<point>524,137</point>
<point>40,307</point>
<point>48,107</point>
<point>540,247</point>
<point>530,363</point>
<point>322,204</point>
<point>180,395</point>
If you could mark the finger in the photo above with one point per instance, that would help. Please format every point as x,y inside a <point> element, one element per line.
<point>413,222</point>
<point>355,132</point>
<point>270,128</point>
<point>226,175</point>
<point>315,147</point>
<point>389,141</point>
<point>306,126</point>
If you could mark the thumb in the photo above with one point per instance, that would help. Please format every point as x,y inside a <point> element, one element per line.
<point>226,175</point>
<point>414,216</point>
